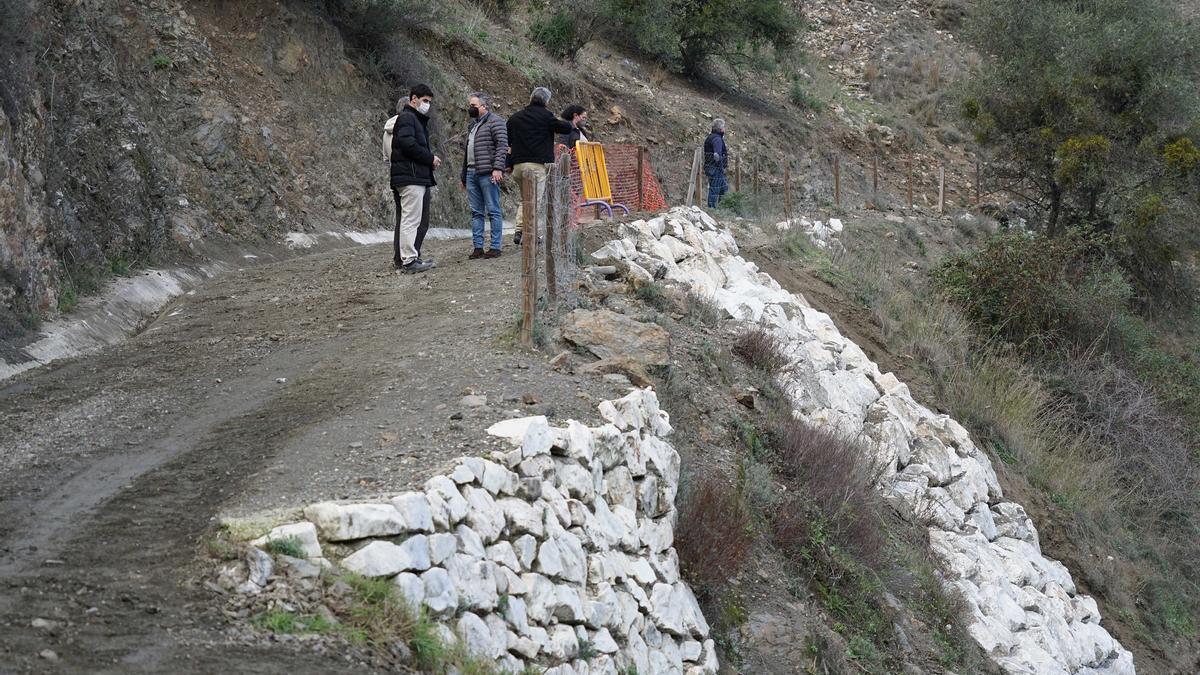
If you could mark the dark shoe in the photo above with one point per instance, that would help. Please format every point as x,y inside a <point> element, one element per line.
<point>476,254</point>
<point>493,253</point>
<point>517,238</point>
<point>416,266</point>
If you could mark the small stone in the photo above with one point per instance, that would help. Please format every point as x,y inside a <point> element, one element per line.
<point>473,401</point>
<point>44,624</point>
<point>529,399</point>
<point>356,445</point>
<point>48,654</point>
<point>281,380</point>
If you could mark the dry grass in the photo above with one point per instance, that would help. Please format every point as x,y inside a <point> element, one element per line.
<point>836,477</point>
<point>714,534</point>
<point>762,349</point>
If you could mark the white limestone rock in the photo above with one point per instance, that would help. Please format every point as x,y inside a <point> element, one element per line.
<point>385,559</point>
<point>411,587</point>
<point>477,637</point>
<point>515,431</point>
<point>483,516</point>
<point>440,596</point>
<point>303,533</point>
<point>346,522</point>
<point>521,517</point>
<point>414,511</point>
<point>441,547</point>
<point>447,491</point>
<point>469,542</point>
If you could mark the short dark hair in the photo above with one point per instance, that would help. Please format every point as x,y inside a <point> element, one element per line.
<point>571,111</point>
<point>420,90</point>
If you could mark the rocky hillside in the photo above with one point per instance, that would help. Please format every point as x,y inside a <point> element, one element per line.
<point>131,134</point>
<point>146,127</point>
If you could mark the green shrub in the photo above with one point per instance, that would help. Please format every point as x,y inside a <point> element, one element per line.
<point>289,546</point>
<point>1022,286</point>
<point>1076,99</point>
<point>556,33</point>
<point>800,98</point>
<point>687,34</point>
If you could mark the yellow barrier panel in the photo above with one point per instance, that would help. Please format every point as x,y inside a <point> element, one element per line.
<point>593,171</point>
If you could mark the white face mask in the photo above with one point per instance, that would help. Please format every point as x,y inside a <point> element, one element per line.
<point>423,107</point>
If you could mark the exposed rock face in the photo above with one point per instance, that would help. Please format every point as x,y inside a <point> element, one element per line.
<point>244,121</point>
<point>1027,613</point>
<point>527,558</point>
<point>609,335</point>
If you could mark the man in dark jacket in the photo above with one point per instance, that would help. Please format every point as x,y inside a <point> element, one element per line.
<point>413,163</point>
<point>483,169</point>
<point>716,158</point>
<point>531,134</point>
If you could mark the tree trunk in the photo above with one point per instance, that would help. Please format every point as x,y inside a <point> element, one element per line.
<point>1056,196</point>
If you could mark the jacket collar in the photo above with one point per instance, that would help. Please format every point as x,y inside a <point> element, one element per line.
<point>423,118</point>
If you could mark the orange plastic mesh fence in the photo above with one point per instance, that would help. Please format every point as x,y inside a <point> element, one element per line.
<point>622,163</point>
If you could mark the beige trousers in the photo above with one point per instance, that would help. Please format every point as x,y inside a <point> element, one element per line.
<point>538,173</point>
<point>412,201</point>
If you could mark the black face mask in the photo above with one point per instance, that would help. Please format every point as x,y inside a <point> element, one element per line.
<point>473,112</point>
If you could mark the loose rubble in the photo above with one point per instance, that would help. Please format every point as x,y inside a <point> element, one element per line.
<point>1028,616</point>
<point>562,541</point>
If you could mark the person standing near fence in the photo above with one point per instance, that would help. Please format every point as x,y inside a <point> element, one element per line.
<point>531,134</point>
<point>483,170</point>
<point>716,158</point>
<point>413,164</point>
<point>577,116</point>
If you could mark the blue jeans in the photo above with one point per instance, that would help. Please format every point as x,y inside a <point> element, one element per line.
<point>717,185</point>
<point>484,196</point>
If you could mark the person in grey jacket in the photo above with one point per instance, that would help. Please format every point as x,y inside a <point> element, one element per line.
<point>483,169</point>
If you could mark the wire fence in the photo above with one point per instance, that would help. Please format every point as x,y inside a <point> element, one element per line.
<point>878,181</point>
<point>550,261</point>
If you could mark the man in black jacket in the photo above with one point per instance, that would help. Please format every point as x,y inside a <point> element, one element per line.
<point>413,163</point>
<point>531,136</point>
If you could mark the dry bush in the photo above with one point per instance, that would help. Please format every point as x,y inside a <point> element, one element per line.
<point>762,349</point>
<point>834,475</point>
<point>1149,447</point>
<point>713,534</point>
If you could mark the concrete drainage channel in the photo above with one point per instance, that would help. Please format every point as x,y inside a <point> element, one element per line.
<point>128,303</point>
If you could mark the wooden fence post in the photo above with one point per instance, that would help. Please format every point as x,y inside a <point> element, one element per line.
<point>787,193</point>
<point>941,189</point>
<point>737,174</point>
<point>837,181</point>
<point>692,176</point>
<point>641,164</point>
<point>528,258</point>
<point>551,272</point>
<point>910,184</point>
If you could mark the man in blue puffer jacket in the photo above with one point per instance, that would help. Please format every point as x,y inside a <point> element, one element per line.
<point>716,158</point>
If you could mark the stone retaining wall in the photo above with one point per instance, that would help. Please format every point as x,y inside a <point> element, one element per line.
<point>1027,614</point>
<point>563,542</point>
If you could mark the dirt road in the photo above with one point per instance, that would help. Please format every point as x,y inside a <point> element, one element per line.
<point>328,376</point>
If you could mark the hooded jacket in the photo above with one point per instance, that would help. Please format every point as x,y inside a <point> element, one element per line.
<point>412,158</point>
